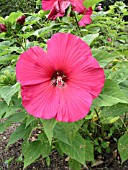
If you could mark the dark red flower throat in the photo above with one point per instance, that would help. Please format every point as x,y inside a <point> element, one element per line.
<point>59,78</point>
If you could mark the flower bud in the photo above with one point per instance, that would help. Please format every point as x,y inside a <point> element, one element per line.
<point>3,28</point>
<point>109,39</point>
<point>99,8</point>
<point>21,20</point>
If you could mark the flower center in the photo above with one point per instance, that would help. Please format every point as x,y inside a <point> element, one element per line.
<point>59,78</point>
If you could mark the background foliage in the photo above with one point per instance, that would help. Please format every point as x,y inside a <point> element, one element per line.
<point>105,128</point>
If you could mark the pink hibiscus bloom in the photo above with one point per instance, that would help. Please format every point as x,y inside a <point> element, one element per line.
<point>62,82</point>
<point>86,19</point>
<point>58,7</point>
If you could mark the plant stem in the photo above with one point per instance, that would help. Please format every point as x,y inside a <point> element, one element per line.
<point>78,26</point>
<point>20,44</point>
<point>124,127</point>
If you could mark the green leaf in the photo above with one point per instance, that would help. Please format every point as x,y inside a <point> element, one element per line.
<point>60,133</point>
<point>7,92</point>
<point>89,151</point>
<point>47,161</point>
<point>3,108</point>
<point>2,127</point>
<point>114,111</point>
<point>119,72</point>
<point>76,150</point>
<point>109,120</point>
<point>74,165</point>
<point>46,148</point>
<point>29,120</point>
<point>41,32</point>
<point>111,88</point>
<point>15,118</point>
<point>14,16</point>
<point>19,133</point>
<point>111,95</point>
<point>32,19</point>
<point>48,128</point>
<point>31,152</point>
<point>6,44</point>
<point>103,56</point>
<point>123,147</point>
<point>89,3</point>
<point>26,35</point>
<point>8,57</point>
<point>66,131</point>
<point>2,20</point>
<point>80,150</point>
<point>90,38</point>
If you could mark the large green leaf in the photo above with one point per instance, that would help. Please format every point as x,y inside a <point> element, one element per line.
<point>65,132</point>
<point>76,150</point>
<point>8,57</point>
<point>31,152</point>
<point>19,133</point>
<point>89,151</point>
<point>15,118</point>
<point>48,126</point>
<point>111,88</point>
<point>74,165</point>
<point>114,111</point>
<point>123,147</point>
<point>89,3</point>
<point>29,119</point>
<point>46,148</point>
<point>111,95</point>
<point>119,72</point>
<point>14,16</point>
<point>7,92</point>
<point>61,133</point>
<point>90,38</point>
<point>103,56</point>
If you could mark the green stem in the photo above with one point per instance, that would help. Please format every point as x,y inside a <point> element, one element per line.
<point>20,44</point>
<point>124,127</point>
<point>78,26</point>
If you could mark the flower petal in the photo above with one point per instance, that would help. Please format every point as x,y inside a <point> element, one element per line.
<point>86,19</point>
<point>33,67</point>
<point>41,100</point>
<point>47,4</point>
<point>90,79</point>
<point>78,5</point>
<point>74,103</point>
<point>65,51</point>
<point>89,76</point>
<point>58,9</point>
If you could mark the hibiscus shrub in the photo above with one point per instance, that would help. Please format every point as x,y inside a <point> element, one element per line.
<point>74,97</point>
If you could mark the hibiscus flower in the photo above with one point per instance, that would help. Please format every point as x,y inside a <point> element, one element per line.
<point>62,82</point>
<point>86,19</point>
<point>58,7</point>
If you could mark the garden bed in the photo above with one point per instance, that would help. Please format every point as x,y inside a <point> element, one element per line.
<point>57,162</point>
